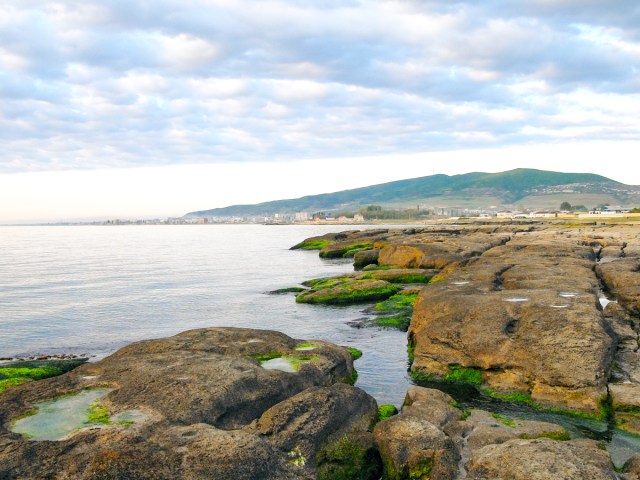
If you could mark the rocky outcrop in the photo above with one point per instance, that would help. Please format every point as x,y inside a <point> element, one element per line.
<point>525,317</point>
<point>210,407</point>
<point>431,438</point>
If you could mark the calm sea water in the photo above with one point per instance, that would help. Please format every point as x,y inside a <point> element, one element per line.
<point>93,289</point>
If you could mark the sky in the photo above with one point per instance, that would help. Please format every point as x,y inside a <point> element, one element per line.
<point>135,108</point>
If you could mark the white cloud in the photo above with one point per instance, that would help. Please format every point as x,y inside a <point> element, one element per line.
<point>130,83</point>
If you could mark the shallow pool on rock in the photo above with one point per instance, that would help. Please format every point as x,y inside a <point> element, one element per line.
<point>56,419</point>
<point>285,363</point>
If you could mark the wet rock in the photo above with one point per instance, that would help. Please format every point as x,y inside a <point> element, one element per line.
<point>346,290</point>
<point>201,393</point>
<point>625,400</point>
<point>365,257</point>
<point>403,275</point>
<point>541,459</point>
<point>488,429</point>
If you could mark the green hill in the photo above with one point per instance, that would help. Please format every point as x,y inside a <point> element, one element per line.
<point>468,190</point>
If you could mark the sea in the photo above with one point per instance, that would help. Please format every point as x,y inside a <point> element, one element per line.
<point>89,290</point>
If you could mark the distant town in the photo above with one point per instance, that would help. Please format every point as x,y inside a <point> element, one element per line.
<point>377,214</point>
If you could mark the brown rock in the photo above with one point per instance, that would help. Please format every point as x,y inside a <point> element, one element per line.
<point>541,459</point>
<point>632,468</point>
<point>201,392</point>
<point>412,447</point>
<point>525,331</point>
<point>622,277</point>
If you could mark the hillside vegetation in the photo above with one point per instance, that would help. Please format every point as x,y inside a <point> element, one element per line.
<point>478,189</point>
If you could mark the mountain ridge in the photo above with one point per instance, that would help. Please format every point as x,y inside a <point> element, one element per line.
<point>502,188</point>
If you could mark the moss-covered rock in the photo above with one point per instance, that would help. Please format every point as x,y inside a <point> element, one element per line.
<point>19,372</point>
<point>364,258</point>
<point>395,312</point>
<point>345,291</point>
<point>350,457</point>
<point>344,250</point>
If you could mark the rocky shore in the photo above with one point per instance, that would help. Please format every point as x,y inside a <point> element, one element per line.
<point>545,315</point>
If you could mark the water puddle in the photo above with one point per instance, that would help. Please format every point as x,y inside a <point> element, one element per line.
<point>289,364</point>
<point>283,364</point>
<point>517,299</point>
<point>568,294</point>
<point>559,306</point>
<point>459,283</point>
<point>59,418</point>
<point>62,417</point>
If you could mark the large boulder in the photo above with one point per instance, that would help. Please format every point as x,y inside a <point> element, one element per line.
<point>222,403</point>
<point>519,328</point>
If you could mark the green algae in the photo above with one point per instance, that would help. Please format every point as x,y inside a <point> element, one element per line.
<point>398,302</point>
<point>347,251</point>
<point>400,322</point>
<point>282,291</point>
<point>460,374</point>
<point>306,347</point>
<point>98,414</point>
<point>398,310</point>
<point>19,372</point>
<point>355,353</point>
<point>386,411</point>
<point>347,459</point>
<point>505,421</point>
<point>17,375</point>
<point>421,470</point>
<point>311,245</point>
<point>345,291</point>
<point>561,436</point>
<point>12,382</point>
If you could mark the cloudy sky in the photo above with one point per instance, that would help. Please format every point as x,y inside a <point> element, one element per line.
<point>155,108</point>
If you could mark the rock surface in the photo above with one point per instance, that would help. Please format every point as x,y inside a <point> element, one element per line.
<point>541,459</point>
<point>431,438</point>
<point>211,411</point>
<point>525,315</point>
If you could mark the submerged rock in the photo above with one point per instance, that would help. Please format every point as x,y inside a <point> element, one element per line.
<point>209,410</point>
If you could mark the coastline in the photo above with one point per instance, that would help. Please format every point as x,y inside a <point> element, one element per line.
<point>465,256</point>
